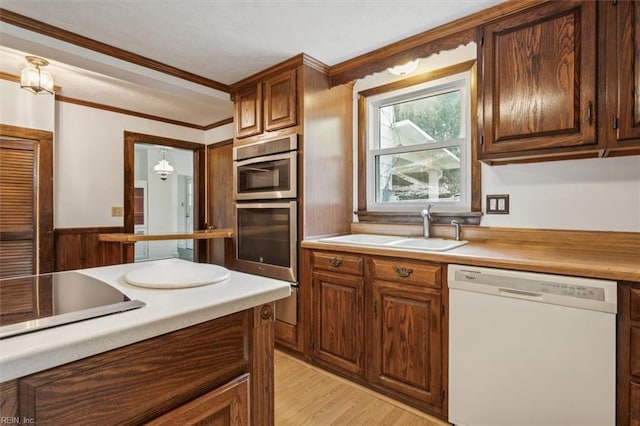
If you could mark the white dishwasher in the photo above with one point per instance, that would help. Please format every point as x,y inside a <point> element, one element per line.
<point>530,349</point>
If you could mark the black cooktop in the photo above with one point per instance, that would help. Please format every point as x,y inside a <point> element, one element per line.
<point>37,302</point>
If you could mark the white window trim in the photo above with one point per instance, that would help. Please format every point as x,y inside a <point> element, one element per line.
<point>460,81</point>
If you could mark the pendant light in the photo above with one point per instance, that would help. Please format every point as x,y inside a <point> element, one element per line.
<point>163,168</point>
<point>35,79</point>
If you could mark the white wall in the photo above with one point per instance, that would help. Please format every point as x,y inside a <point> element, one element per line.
<point>600,194</point>
<point>89,167</point>
<point>219,134</point>
<point>24,109</point>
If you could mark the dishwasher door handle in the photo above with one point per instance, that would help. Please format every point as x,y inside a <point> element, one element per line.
<point>520,293</point>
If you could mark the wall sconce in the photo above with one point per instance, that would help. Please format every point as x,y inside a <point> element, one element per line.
<point>403,69</point>
<point>34,79</point>
<point>163,168</point>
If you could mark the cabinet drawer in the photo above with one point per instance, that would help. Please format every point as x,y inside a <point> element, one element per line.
<point>634,358</point>
<point>408,272</point>
<point>635,304</point>
<point>338,262</point>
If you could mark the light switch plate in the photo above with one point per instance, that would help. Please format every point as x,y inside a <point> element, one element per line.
<point>497,204</point>
<point>117,212</point>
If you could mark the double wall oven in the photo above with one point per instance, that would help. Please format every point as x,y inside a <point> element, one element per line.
<point>265,190</point>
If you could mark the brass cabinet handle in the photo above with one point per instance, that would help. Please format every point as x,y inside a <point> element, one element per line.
<point>335,262</point>
<point>403,272</point>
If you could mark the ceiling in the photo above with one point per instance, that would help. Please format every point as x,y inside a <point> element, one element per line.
<point>221,40</point>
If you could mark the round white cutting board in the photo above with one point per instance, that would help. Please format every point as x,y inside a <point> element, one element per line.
<point>177,275</point>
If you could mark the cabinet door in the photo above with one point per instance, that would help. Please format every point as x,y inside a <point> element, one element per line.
<point>338,303</point>
<point>634,405</point>
<point>248,111</point>
<point>538,80</point>
<point>280,101</point>
<point>628,47</point>
<point>227,405</point>
<point>406,345</point>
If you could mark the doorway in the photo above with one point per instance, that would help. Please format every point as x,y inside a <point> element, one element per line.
<point>163,203</point>
<point>26,210</point>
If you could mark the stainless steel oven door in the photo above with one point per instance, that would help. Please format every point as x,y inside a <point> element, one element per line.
<point>268,177</point>
<point>267,239</point>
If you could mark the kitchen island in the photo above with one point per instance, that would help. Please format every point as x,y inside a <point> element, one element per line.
<point>197,353</point>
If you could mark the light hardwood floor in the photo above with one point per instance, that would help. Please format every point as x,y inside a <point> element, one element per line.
<point>308,396</point>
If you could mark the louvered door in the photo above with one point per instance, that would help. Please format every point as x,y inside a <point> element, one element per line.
<point>18,169</point>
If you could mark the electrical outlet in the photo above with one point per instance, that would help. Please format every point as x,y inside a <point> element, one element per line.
<point>117,212</point>
<point>498,204</point>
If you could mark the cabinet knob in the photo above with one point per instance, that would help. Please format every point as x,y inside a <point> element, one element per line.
<point>402,271</point>
<point>335,262</point>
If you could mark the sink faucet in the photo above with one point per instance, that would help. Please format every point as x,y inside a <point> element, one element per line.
<point>457,225</point>
<point>426,221</point>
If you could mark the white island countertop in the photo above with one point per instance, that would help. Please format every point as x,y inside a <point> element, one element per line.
<point>166,310</point>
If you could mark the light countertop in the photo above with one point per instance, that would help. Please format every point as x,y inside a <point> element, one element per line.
<point>166,310</point>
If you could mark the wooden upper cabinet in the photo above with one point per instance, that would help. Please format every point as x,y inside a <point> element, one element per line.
<point>248,110</point>
<point>280,101</point>
<point>538,80</point>
<point>628,77</point>
<point>265,106</point>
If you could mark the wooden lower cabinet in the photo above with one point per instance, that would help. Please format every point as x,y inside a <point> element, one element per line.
<point>405,343</point>
<point>628,354</point>
<point>217,372</point>
<point>379,321</point>
<point>339,321</point>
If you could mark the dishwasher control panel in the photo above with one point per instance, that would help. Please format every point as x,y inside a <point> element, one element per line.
<point>540,286</point>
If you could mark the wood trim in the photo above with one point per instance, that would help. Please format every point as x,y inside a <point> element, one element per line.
<point>118,110</point>
<point>476,168</point>
<point>476,165</point>
<point>48,30</point>
<point>199,173</point>
<point>445,37</point>
<point>89,230</point>
<point>218,124</point>
<point>261,347</point>
<point>442,218</point>
<point>9,77</point>
<point>362,156</point>
<point>44,140</point>
<point>294,62</point>
<point>60,98</point>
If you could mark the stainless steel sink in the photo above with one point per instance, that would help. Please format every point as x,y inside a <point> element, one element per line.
<point>394,241</point>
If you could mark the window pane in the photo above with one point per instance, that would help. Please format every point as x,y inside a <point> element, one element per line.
<point>427,175</point>
<point>430,119</point>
